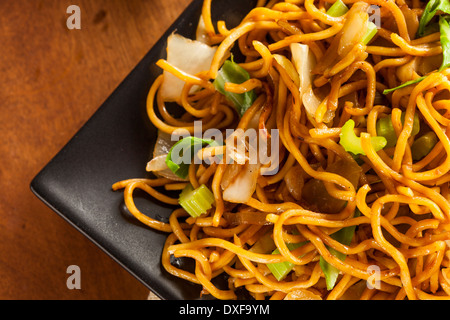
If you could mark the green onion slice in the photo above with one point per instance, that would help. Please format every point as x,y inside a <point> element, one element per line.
<point>403,85</point>
<point>180,155</point>
<point>344,236</point>
<point>231,72</point>
<point>432,8</point>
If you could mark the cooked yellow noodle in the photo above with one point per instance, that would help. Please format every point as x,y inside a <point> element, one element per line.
<point>404,227</point>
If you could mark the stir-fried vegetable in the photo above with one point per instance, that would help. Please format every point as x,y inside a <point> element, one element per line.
<point>231,72</point>
<point>445,41</point>
<point>180,155</point>
<point>430,11</point>
<point>357,28</point>
<point>158,164</point>
<point>407,83</point>
<point>304,61</point>
<point>385,128</point>
<point>302,294</point>
<point>372,30</point>
<point>344,236</point>
<point>352,143</point>
<point>423,145</point>
<point>281,269</point>
<point>315,193</point>
<point>294,180</point>
<point>265,244</point>
<point>246,217</point>
<point>243,184</point>
<point>190,56</point>
<point>432,8</point>
<point>337,9</point>
<point>354,28</point>
<point>196,201</point>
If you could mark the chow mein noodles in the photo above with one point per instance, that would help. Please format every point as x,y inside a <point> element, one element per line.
<point>348,196</point>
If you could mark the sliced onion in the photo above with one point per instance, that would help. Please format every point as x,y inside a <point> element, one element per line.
<point>295,182</point>
<point>354,29</point>
<point>312,102</point>
<point>242,188</point>
<point>158,164</point>
<point>407,72</point>
<point>236,147</point>
<point>163,144</point>
<point>304,61</point>
<point>201,33</point>
<point>254,121</point>
<point>231,172</point>
<point>247,217</point>
<point>426,65</point>
<point>239,178</point>
<point>316,195</point>
<point>411,19</point>
<point>265,244</point>
<point>289,67</point>
<point>188,55</point>
<point>355,291</point>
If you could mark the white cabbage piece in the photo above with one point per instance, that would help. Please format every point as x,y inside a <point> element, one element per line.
<point>190,56</point>
<point>304,61</point>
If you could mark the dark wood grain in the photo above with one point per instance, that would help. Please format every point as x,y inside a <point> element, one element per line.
<point>53,80</point>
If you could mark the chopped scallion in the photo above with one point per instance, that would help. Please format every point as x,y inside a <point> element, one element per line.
<point>180,155</point>
<point>231,72</point>
<point>407,83</point>
<point>431,9</point>
<point>344,236</point>
<point>444,28</point>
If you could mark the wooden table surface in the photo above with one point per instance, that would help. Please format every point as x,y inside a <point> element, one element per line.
<point>52,80</point>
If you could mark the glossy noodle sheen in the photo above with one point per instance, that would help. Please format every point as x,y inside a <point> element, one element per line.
<point>396,203</point>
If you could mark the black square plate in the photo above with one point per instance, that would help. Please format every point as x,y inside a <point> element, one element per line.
<point>115,144</point>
